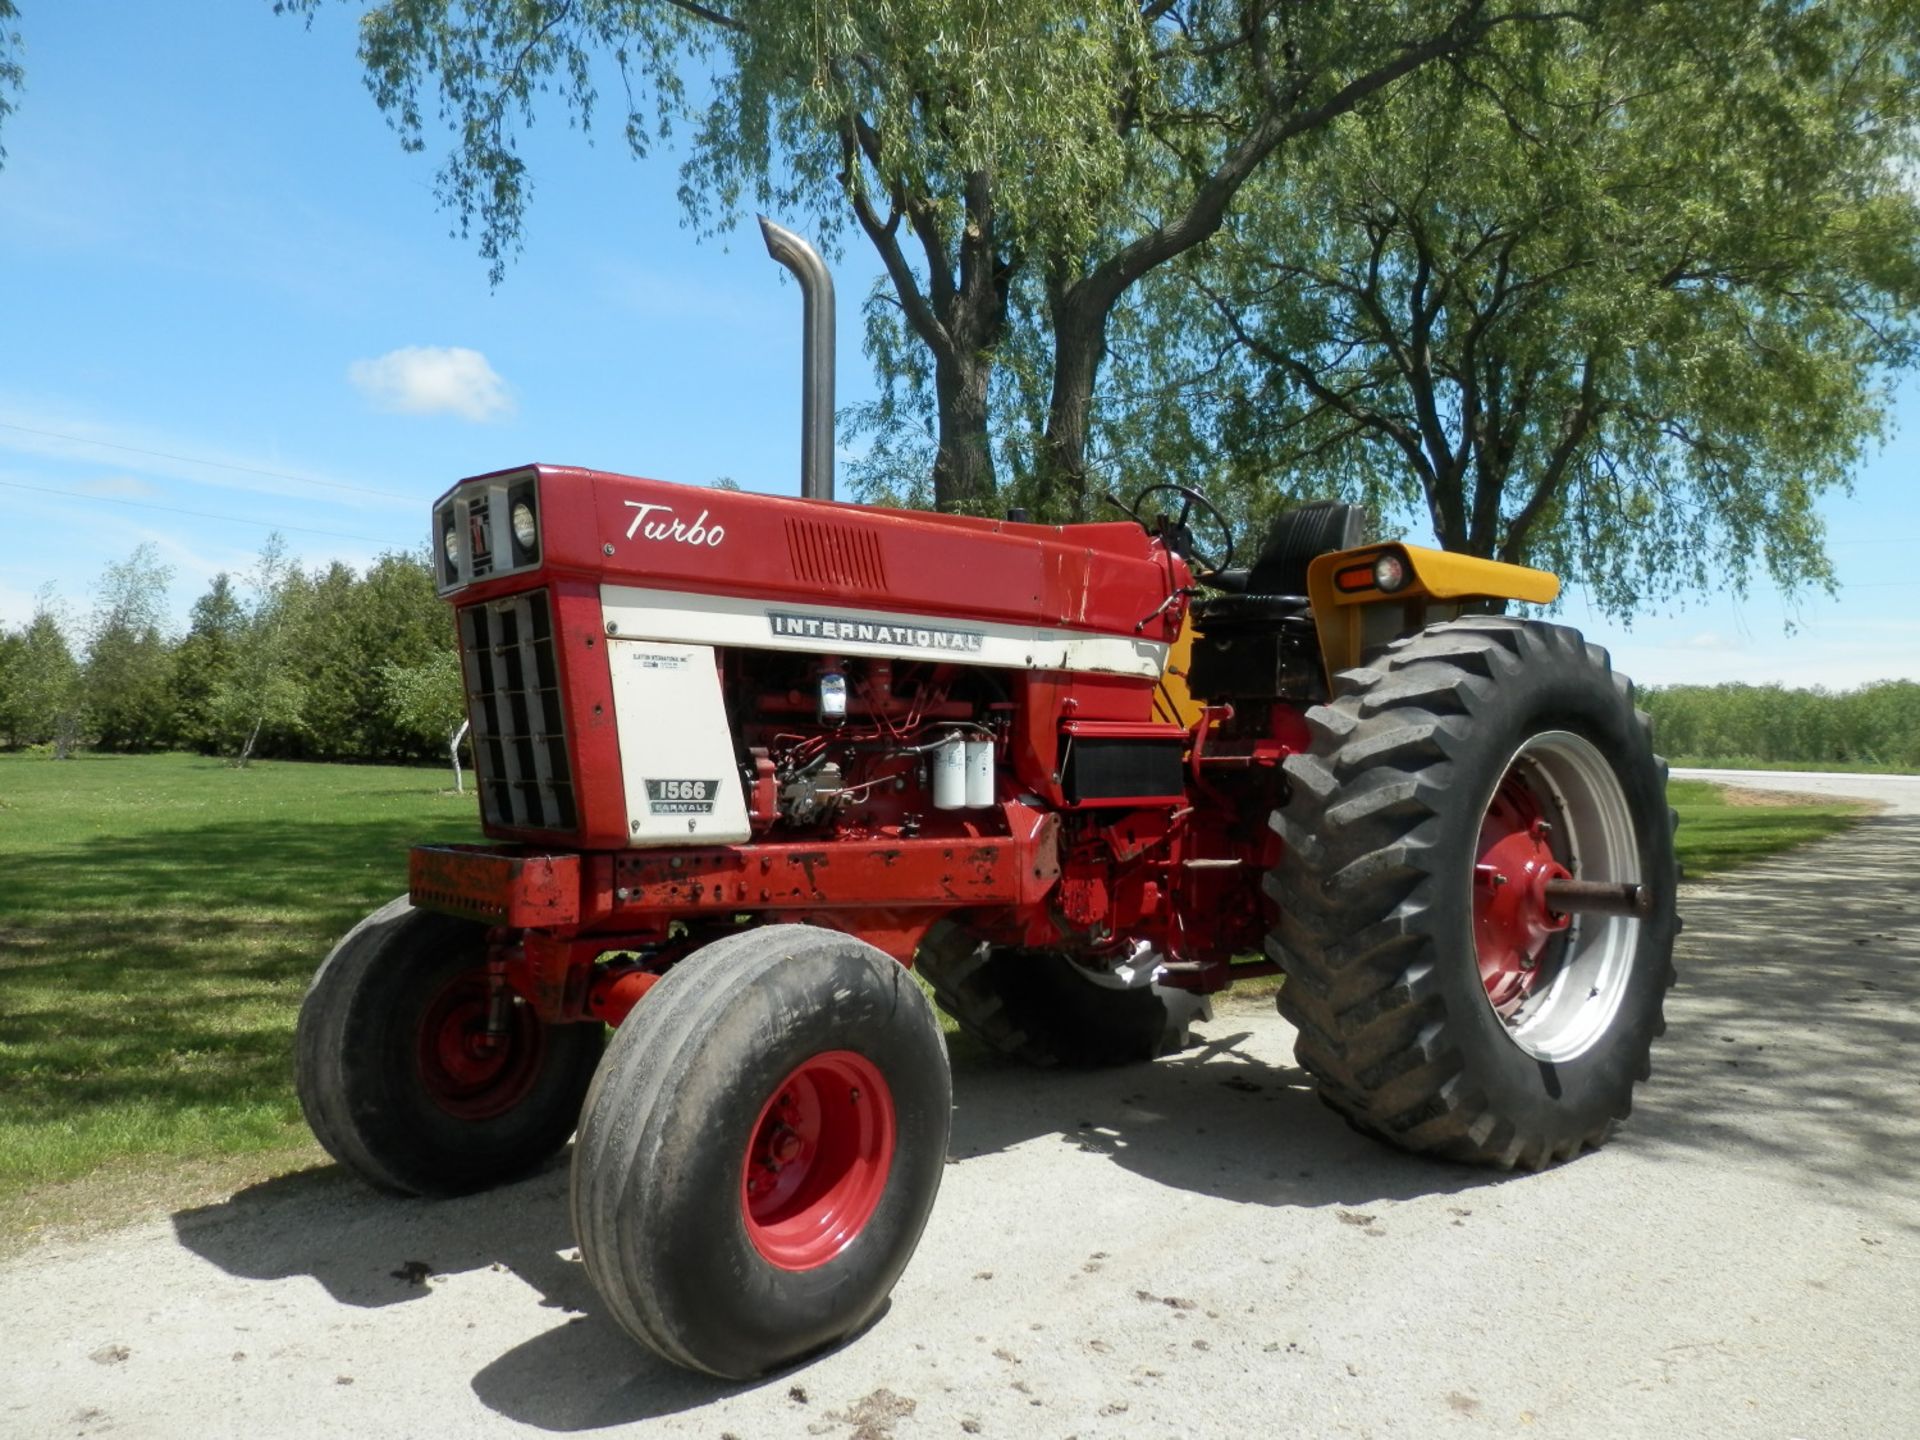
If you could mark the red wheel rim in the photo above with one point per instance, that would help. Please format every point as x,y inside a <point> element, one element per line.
<point>817,1160</point>
<point>1512,924</point>
<point>467,1072</point>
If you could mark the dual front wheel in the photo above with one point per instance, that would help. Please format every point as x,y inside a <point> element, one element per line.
<point>757,1151</point>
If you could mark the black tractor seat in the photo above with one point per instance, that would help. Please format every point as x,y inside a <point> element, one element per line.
<point>1274,587</point>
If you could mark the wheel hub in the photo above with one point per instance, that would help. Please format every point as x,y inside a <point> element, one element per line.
<point>817,1160</point>
<point>1512,922</point>
<point>469,1069</point>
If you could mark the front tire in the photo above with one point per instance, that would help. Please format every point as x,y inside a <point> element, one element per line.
<point>761,1149</point>
<point>398,1078</point>
<point>1441,1005</point>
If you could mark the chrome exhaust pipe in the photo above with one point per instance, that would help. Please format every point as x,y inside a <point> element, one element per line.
<point>816,365</point>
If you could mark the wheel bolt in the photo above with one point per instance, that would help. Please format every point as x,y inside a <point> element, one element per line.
<point>784,1145</point>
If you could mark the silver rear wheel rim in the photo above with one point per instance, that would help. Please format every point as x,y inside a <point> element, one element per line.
<point>1581,796</point>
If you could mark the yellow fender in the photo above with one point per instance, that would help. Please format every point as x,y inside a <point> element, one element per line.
<point>1355,614</point>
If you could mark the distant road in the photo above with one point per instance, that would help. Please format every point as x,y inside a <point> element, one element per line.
<point>1899,793</point>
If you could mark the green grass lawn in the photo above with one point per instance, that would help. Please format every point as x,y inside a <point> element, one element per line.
<point>1715,836</point>
<point>160,917</point>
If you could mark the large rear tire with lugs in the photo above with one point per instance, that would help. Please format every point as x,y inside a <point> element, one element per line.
<point>761,1149</point>
<point>1044,1010</point>
<point>403,1079</point>
<point>1442,1004</point>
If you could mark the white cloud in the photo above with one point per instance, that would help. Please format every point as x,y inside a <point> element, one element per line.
<point>433,380</point>
<point>69,440</point>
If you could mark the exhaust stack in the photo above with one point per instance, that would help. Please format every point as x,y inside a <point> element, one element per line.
<point>816,366</point>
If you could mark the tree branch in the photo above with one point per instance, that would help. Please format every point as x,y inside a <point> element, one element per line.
<point>1514,548</point>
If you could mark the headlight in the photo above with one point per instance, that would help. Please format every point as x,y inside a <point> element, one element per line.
<point>1389,573</point>
<point>523,526</point>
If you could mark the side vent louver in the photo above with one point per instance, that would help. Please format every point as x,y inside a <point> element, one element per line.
<point>837,556</point>
<point>519,727</point>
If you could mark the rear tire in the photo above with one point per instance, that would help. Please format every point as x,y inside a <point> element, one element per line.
<point>761,1149</point>
<point>1046,1011</point>
<point>396,1077</point>
<point>1423,1020</point>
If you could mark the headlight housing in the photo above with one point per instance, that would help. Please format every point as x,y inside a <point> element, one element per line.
<point>486,528</point>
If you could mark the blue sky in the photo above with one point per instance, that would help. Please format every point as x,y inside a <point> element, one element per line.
<point>225,290</point>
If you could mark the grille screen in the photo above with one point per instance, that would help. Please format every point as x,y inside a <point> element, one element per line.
<point>513,699</point>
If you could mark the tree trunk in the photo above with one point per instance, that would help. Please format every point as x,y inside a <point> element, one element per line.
<point>241,760</point>
<point>1080,344</point>
<point>963,476</point>
<point>453,749</point>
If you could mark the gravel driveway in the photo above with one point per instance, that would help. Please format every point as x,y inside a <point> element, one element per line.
<point>1190,1248</point>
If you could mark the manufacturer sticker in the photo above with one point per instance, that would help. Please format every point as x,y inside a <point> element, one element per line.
<point>681,797</point>
<point>873,632</point>
<point>659,659</point>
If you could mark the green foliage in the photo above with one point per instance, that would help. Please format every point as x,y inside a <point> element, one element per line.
<point>12,75</point>
<point>1874,727</point>
<point>261,686</point>
<point>203,662</point>
<point>985,148</point>
<point>1613,289</point>
<point>428,699</point>
<point>429,702</point>
<point>1626,314</point>
<point>351,629</point>
<point>125,681</point>
<point>40,696</point>
<point>291,667</point>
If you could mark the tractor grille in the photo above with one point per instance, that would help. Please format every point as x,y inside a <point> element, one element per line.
<point>519,727</point>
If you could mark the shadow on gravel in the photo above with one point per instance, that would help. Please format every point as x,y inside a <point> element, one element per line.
<point>1216,1120</point>
<point>1795,1025</point>
<point>374,1250</point>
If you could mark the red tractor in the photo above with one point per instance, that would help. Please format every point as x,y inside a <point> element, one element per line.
<point>748,762</point>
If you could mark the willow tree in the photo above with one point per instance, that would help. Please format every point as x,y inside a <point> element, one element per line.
<point>972,143</point>
<point>12,75</point>
<point>1628,319</point>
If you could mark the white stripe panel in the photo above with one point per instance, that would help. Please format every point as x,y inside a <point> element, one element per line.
<point>729,620</point>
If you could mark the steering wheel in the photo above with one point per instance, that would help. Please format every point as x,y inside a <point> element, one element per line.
<point>1212,551</point>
